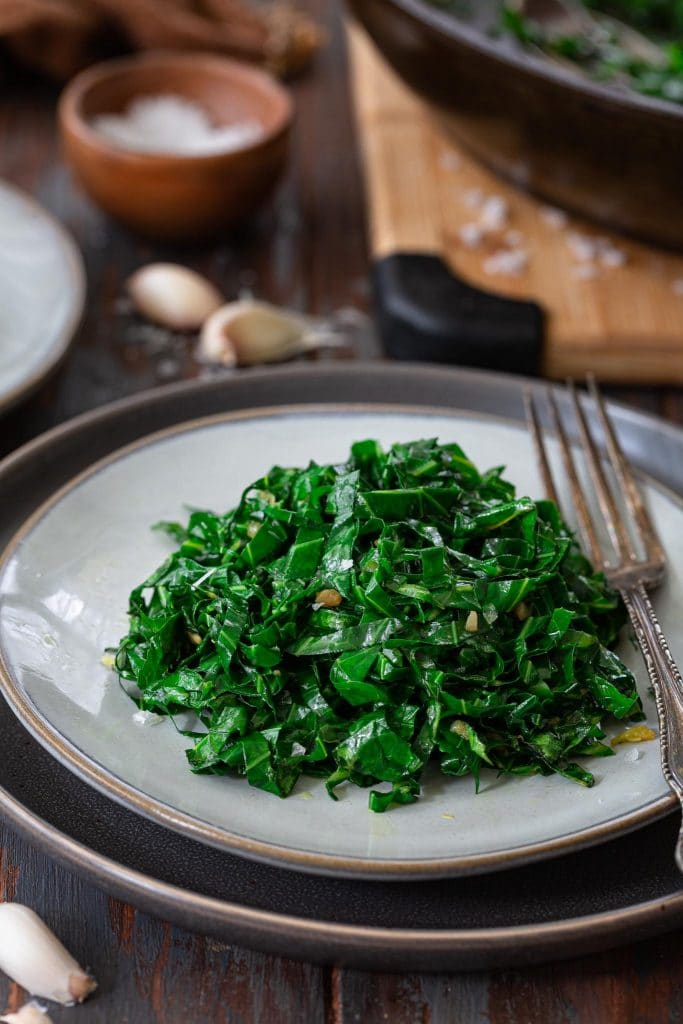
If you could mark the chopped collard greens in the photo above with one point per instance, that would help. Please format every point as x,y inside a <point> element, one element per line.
<point>358,621</point>
<point>611,48</point>
<point>603,55</point>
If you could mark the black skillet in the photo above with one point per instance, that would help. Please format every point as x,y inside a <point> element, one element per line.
<point>611,155</point>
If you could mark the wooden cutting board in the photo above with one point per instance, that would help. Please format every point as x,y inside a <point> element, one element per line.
<point>625,323</point>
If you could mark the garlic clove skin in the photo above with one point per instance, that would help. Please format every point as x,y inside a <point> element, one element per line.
<point>173,296</point>
<point>35,958</point>
<point>29,1013</point>
<point>261,333</point>
<point>215,344</point>
<point>248,332</point>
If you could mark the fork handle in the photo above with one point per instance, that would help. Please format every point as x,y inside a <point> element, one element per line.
<point>667,685</point>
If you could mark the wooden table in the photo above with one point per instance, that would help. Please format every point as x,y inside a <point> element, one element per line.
<point>307,250</point>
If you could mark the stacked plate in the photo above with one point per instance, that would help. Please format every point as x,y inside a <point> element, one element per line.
<point>42,290</point>
<point>528,869</point>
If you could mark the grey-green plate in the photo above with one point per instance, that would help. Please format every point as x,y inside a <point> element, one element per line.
<point>625,888</point>
<point>64,586</point>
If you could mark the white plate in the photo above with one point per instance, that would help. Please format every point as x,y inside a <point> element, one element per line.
<point>42,290</point>
<point>65,582</point>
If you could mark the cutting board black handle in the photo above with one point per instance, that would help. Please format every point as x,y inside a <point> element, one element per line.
<point>425,312</point>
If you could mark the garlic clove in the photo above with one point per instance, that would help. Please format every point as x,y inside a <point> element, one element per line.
<point>35,958</point>
<point>247,332</point>
<point>215,344</point>
<point>173,296</point>
<point>472,623</point>
<point>29,1013</point>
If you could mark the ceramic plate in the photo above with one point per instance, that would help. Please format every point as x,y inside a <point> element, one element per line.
<point>42,289</point>
<point>65,582</point>
<point>616,892</point>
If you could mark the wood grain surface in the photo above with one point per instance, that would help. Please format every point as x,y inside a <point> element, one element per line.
<point>307,250</point>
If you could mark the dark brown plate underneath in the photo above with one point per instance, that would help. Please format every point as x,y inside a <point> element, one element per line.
<point>622,891</point>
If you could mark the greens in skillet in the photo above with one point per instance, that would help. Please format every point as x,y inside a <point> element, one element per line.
<point>636,44</point>
<point>358,621</point>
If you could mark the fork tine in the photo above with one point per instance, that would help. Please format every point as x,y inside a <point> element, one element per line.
<point>585,524</point>
<point>539,447</point>
<point>586,527</point>
<point>622,470</point>
<point>618,533</point>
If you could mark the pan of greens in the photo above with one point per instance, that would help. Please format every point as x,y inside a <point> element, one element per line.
<point>578,100</point>
<point>347,641</point>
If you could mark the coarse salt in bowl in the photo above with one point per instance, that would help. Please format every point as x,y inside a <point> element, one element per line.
<point>168,123</point>
<point>176,145</point>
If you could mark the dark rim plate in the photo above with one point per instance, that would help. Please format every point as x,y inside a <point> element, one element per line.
<point>579,903</point>
<point>290,854</point>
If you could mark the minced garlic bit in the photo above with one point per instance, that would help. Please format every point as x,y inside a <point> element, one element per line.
<point>193,637</point>
<point>147,718</point>
<point>448,817</point>
<point>636,734</point>
<point>460,728</point>
<point>328,599</point>
<point>472,623</point>
<point>253,527</point>
<point>107,660</point>
<point>522,611</point>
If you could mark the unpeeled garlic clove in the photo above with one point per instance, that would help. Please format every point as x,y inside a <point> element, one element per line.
<point>35,958</point>
<point>173,296</point>
<point>247,332</point>
<point>29,1013</point>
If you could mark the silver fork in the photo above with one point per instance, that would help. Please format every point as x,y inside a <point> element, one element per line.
<point>627,569</point>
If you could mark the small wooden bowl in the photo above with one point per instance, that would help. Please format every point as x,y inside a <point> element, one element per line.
<point>177,196</point>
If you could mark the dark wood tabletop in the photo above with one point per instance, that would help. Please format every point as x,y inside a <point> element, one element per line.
<point>306,250</point>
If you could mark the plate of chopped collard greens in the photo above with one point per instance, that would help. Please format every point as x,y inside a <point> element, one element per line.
<point>353,640</point>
